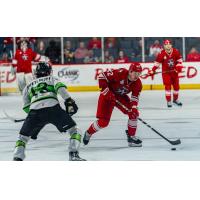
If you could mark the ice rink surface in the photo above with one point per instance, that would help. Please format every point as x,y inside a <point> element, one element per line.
<point>110,144</point>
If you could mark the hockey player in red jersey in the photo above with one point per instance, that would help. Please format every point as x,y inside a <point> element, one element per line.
<point>22,64</point>
<point>115,85</point>
<point>171,62</point>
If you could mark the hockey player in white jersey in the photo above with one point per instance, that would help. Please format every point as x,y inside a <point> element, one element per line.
<point>42,105</point>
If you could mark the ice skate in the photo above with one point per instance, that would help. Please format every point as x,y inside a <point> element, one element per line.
<point>177,102</point>
<point>133,141</point>
<point>86,138</point>
<point>169,104</point>
<point>19,153</point>
<point>74,156</point>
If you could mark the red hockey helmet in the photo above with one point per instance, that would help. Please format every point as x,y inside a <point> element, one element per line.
<point>165,42</point>
<point>136,67</point>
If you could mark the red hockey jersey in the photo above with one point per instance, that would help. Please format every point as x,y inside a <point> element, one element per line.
<point>169,61</point>
<point>122,60</point>
<point>23,59</point>
<point>117,82</point>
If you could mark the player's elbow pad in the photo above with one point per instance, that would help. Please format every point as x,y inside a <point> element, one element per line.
<point>26,109</point>
<point>102,82</point>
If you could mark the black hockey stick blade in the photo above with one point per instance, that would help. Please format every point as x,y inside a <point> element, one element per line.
<point>19,120</point>
<point>175,142</point>
<point>12,118</point>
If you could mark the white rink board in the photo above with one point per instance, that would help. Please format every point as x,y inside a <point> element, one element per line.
<point>86,75</point>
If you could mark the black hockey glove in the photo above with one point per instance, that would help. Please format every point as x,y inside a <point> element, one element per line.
<point>71,107</point>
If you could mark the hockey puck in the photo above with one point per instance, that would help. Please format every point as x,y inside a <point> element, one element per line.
<point>173,149</point>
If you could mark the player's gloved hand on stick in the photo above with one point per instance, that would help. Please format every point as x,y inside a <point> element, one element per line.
<point>108,95</point>
<point>133,112</point>
<point>71,107</point>
<point>178,68</point>
<point>153,70</point>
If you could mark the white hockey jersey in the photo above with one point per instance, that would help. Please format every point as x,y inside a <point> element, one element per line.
<point>42,92</point>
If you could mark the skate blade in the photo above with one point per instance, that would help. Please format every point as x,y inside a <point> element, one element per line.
<point>17,159</point>
<point>86,143</point>
<point>134,145</point>
<point>177,105</point>
<point>78,160</point>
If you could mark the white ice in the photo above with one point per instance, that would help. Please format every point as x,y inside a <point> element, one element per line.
<point>110,144</point>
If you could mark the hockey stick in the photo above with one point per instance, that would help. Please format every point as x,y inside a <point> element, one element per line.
<point>158,73</point>
<point>172,142</point>
<point>17,120</point>
<point>12,118</point>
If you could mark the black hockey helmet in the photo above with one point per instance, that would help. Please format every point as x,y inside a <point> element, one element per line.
<point>43,69</point>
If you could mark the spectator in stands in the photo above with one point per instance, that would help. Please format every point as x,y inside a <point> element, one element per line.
<point>4,58</point>
<point>122,58</point>
<point>155,48</point>
<point>68,46</point>
<point>108,58</point>
<point>8,40</point>
<point>69,53</point>
<point>53,52</point>
<point>8,46</point>
<point>110,42</point>
<point>193,55</point>
<point>138,49</point>
<point>91,58</point>
<point>20,39</point>
<point>133,55</point>
<point>69,57</point>
<point>41,47</point>
<point>94,43</point>
<point>1,40</point>
<point>31,41</point>
<point>81,52</point>
<point>1,44</point>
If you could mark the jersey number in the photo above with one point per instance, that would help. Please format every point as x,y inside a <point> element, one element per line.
<point>40,89</point>
<point>109,72</point>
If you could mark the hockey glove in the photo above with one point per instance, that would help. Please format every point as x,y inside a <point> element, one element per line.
<point>178,68</point>
<point>153,71</point>
<point>71,107</point>
<point>133,113</point>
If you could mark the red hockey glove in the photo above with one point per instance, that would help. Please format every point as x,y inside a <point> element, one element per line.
<point>108,95</point>
<point>133,113</point>
<point>178,68</point>
<point>153,70</point>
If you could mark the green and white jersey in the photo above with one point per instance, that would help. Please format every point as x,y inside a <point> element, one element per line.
<point>42,92</point>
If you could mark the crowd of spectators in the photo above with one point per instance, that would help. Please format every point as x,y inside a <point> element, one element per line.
<point>193,55</point>
<point>89,50</point>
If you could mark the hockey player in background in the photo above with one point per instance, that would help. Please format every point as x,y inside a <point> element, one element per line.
<point>42,105</point>
<point>22,64</point>
<point>171,62</point>
<point>115,86</point>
